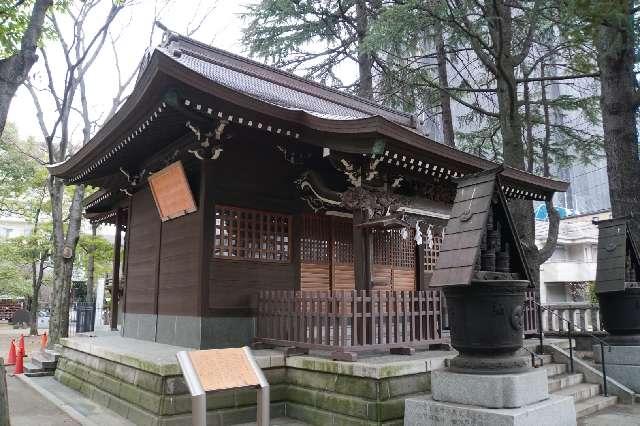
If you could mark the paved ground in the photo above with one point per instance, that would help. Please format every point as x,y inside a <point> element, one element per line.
<point>28,408</point>
<point>618,415</point>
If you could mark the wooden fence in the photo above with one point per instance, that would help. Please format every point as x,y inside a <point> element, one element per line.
<point>354,320</point>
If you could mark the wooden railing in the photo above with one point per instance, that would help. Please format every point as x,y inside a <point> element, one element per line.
<point>584,316</point>
<point>350,320</point>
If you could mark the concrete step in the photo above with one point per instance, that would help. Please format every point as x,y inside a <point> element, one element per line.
<point>42,373</point>
<point>33,370</point>
<point>562,381</point>
<point>546,358</point>
<point>555,369</point>
<point>580,392</point>
<point>592,405</point>
<point>44,359</point>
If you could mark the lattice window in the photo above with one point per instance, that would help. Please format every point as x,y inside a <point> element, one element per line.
<point>389,248</point>
<point>252,235</point>
<point>317,234</point>
<point>431,255</point>
<point>343,240</point>
<point>315,238</point>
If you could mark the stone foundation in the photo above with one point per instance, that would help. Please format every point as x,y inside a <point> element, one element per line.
<point>622,364</point>
<point>142,382</point>
<point>191,332</point>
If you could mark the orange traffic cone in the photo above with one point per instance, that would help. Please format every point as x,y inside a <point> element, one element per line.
<point>21,344</point>
<point>11,359</point>
<point>43,341</point>
<point>19,363</point>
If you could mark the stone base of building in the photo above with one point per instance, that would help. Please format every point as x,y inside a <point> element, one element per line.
<point>622,364</point>
<point>142,381</point>
<point>490,390</point>
<point>556,410</point>
<point>188,331</point>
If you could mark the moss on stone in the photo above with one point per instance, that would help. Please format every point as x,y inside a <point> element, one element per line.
<point>343,404</point>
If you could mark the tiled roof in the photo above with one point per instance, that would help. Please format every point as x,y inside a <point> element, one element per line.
<point>272,85</point>
<point>267,91</point>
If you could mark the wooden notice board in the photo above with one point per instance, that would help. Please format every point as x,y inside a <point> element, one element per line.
<point>171,192</point>
<point>220,369</point>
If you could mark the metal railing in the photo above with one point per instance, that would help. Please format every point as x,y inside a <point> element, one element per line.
<point>571,328</point>
<point>350,320</point>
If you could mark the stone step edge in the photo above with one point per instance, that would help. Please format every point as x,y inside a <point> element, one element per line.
<point>563,378</point>
<point>575,390</point>
<point>595,404</point>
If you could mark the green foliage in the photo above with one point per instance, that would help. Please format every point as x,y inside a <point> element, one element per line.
<point>311,36</point>
<point>22,179</point>
<point>592,296</point>
<point>16,257</point>
<point>406,32</point>
<point>14,19</point>
<point>102,251</point>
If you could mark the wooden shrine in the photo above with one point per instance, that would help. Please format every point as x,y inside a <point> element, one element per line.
<point>617,281</point>
<point>297,210</point>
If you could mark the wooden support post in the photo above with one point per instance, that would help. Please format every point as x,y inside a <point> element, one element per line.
<point>359,252</point>
<point>115,287</point>
<point>421,283</point>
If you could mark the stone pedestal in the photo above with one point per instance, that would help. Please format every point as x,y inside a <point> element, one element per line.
<point>622,364</point>
<point>490,390</point>
<point>490,400</point>
<point>556,410</point>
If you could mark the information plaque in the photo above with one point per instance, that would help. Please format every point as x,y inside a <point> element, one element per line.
<point>216,370</point>
<point>171,192</point>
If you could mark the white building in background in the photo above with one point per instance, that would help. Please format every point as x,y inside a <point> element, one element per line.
<point>573,261</point>
<point>14,226</point>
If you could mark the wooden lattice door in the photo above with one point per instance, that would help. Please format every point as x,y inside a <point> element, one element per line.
<point>394,260</point>
<point>326,253</point>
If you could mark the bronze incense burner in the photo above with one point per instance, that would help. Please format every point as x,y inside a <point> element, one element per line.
<point>485,278</point>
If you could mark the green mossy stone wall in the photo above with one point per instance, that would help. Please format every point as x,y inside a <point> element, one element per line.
<point>315,397</point>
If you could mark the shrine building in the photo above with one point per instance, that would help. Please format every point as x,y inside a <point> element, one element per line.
<point>260,206</point>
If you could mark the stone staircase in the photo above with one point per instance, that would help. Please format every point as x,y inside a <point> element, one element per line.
<point>587,397</point>
<point>41,363</point>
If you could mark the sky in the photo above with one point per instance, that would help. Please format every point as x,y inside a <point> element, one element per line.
<point>222,28</point>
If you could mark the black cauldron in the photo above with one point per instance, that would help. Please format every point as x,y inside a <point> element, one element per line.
<point>486,321</point>
<point>620,315</point>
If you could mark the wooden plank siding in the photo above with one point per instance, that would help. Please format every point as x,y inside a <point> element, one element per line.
<point>142,262</point>
<point>179,267</point>
<point>162,261</point>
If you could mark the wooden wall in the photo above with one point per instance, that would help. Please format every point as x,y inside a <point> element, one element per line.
<point>252,174</point>
<point>179,266</point>
<point>142,252</point>
<point>163,261</point>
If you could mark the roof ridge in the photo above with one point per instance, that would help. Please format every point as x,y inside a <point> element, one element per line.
<point>366,104</point>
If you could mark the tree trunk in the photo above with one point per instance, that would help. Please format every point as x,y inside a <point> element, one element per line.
<point>443,81</point>
<point>4,396</point>
<point>91,265</point>
<point>615,45</point>
<point>365,59</point>
<point>15,68</point>
<point>63,256</point>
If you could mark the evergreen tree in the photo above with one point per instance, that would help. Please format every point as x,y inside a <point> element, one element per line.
<point>316,38</point>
